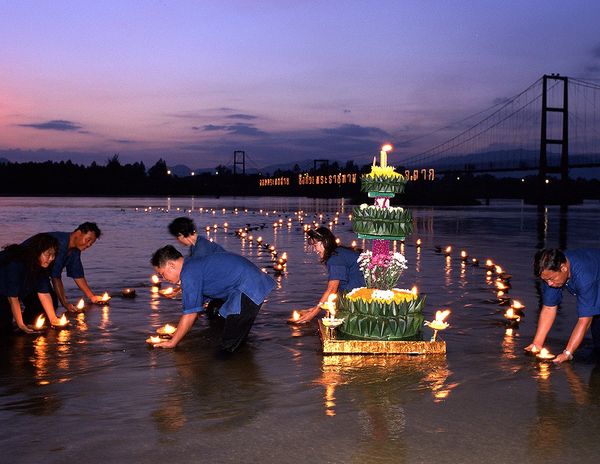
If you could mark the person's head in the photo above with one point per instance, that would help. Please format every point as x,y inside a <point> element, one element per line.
<point>167,263</point>
<point>184,230</point>
<point>323,241</point>
<point>38,252</point>
<point>85,235</point>
<point>552,266</point>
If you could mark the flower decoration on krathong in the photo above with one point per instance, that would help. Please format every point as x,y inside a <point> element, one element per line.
<point>381,296</point>
<point>382,270</point>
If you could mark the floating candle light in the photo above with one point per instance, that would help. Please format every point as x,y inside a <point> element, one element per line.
<point>438,323</point>
<point>155,280</point>
<point>475,262</point>
<point>295,316</point>
<point>489,263</point>
<point>259,240</point>
<point>128,293</point>
<point>105,298</point>
<point>448,250</point>
<point>499,270</point>
<point>463,255</point>
<point>414,290</point>
<point>153,339</point>
<point>81,305</point>
<point>167,291</point>
<point>545,355</point>
<point>39,322</point>
<point>62,321</point>
<point>517,305</point>
<point>419,242</point>
<point>166,329</point>
<point>511,316</point>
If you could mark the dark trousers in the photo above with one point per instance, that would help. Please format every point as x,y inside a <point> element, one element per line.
<point>237,326</point>
<point>6,316</point>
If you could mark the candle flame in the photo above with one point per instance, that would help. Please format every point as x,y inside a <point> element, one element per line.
<point>448,249</point>
<point>545,354</point>
<point>414,290</point>
<point>439,323</point>
<point>63,320</point>
<point>168,291</point>
<point>489,262</point>
<point>81,304</point>
<point>387,147</point>
<point>155,279</point>
<point>499,270</point>
<point>40,321</point>
<point>517,304</point>
<point>295,316</point>
<point>510,314</point>
<point>419,242</point>
<point>153,339</point>
<point>105,297</point>
<point>463,254</point>
<point>167,329</point>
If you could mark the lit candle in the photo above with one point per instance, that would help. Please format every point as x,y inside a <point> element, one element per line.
<point>463,255</point>
<point>295,316</point>
<point>166,329</point>
<point>511,316</point>
<point>153,340</point>
<point>448,250</point>
<point>62,321</point>
<point>155,281</point>
<point>383,155</point>
<point>419,242</point>
<point>517,305</point>
<point>39,322</point>
<point>414,290</point>
<point>105,298</point>
<point>81,305</point>
<point>545,355</point>
<point>128,293</point>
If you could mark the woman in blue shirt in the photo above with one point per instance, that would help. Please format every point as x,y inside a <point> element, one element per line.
<point>342,268</point>
<point>23,269</point>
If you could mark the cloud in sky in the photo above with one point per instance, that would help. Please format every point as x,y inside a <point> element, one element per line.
<point>55,124</point>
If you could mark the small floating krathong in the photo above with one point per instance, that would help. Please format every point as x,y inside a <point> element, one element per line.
<point>438,323</point>
<point>166,330</point>
<point>153,339</point>
<point>105,299</point>
<point>40,322</point>
<point>545,355</point>
<point>62,322</point>
<point>330,321</point>
<point>128,293</point>
<point>511,315</point>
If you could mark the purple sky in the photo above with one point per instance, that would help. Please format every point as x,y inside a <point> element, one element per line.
<point>192,81</point>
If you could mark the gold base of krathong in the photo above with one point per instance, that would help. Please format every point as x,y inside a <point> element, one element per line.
<point>334,345</point>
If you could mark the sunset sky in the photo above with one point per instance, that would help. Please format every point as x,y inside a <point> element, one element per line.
<point>192,81</point>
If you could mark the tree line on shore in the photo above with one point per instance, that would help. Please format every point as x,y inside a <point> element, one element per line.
<point>115,178</point>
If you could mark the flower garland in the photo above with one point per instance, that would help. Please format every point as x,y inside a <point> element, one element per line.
<point>381,296</point>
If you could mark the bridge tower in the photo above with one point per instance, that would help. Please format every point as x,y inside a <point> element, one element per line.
<point>242,161</point>
<point>563,111</point>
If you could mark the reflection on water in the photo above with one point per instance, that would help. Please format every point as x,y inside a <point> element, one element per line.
<point>279,399</point>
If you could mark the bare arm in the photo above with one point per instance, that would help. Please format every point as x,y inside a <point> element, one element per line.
<point>183,327</point>
<point>46,301</point>
<point>15,307</point>
<point>85,288</point>
<point>545,322</point>
<point>332,287</point>
<point>59,288</point>
<point>583,324</point>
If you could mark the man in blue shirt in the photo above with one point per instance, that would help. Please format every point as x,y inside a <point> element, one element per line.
<point>184,230</point>
<point>71,244</point>
<point>578,271</point>
<point>240,284</point>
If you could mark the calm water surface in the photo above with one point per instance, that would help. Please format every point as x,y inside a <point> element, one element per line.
<point>95,392</point>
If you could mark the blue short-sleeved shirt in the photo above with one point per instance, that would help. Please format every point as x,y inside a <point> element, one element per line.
<point>342,265</point>
<point>204,247</point>
<point>584,283</point>
<point>14,282</point>
<point>66,258</point>
<point>224,276</point>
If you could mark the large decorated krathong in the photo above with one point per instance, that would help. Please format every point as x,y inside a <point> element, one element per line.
<point>380,318</point>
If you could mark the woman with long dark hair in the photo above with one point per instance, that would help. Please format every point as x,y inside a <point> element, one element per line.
<point>23,270</point>
<point>342,268</point>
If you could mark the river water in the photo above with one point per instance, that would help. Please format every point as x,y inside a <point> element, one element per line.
<point>96,392</point>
